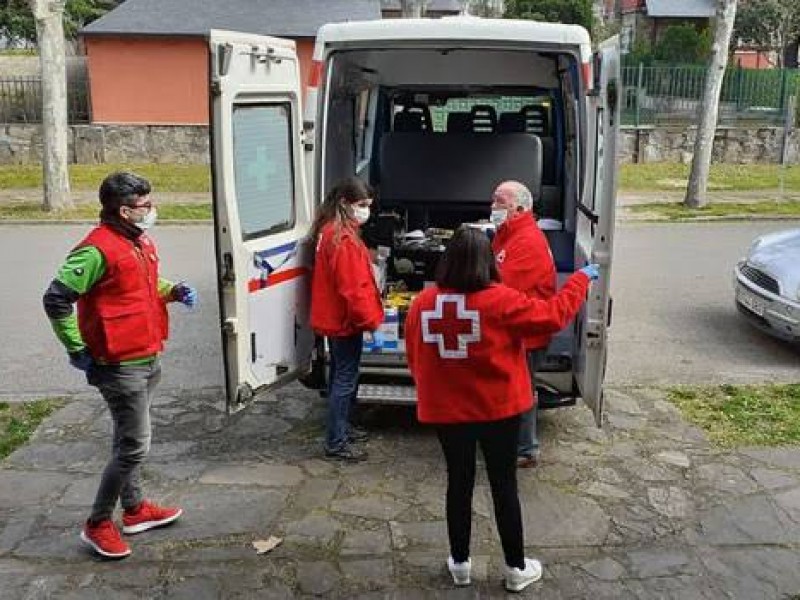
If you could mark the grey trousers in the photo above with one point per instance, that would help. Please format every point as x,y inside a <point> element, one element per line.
<point>528,442</point>
<point>128,391</point>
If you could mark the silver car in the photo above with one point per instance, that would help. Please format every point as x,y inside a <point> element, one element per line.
<point>768,284</point>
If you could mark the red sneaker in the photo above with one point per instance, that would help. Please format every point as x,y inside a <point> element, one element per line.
<point>105,539</point>
<point>148,516</point>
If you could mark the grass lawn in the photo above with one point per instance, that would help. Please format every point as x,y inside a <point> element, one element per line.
<point>163,177</point>
<point>724,177</point>
<point>766,415</point>
<point>166,212</point>
<point>18,421</point>
<point>643,177</point>
<point>676,211</point>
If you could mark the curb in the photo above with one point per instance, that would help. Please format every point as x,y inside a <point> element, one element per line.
<point>710,219</point>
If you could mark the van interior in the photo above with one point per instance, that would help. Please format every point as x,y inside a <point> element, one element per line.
<point>434,131</point>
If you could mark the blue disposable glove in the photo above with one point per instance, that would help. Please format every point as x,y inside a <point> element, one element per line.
<point>185,294</point>
<point>378,340</point>
<point>591,271</point>
<point>81,360</point>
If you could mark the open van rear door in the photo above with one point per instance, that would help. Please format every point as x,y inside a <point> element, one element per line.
<point>261,212</point>
<point>595,228</point>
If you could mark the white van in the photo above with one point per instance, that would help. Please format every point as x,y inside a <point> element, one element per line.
<point>433,114</point>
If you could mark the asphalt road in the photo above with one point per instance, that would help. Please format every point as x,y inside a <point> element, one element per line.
<point>32,361</point>
<point>674,319</point>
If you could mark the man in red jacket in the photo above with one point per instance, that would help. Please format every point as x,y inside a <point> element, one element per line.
<point>116,339</point>
<point>525,264</point>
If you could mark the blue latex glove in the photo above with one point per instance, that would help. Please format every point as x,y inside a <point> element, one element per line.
<point>185,294</point>
<point>81,360</point>
<point>378,340</point>
<point>591,271</point>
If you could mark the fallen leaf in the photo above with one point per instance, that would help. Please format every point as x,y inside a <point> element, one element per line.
<point>264,546</point>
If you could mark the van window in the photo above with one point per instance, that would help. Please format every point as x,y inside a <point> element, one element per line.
<point>264,175</point>
<point>500,105</point>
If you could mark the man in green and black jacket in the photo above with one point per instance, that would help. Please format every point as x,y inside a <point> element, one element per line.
<point>116,338</point>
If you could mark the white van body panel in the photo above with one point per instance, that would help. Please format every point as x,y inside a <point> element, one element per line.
<point>453,30</point>
<point>595,231</point>
<point>262,212</point>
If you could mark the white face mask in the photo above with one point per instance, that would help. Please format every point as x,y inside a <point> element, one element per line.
<point>148,220</point>
<point>498,216</point>
<point>361,214</point>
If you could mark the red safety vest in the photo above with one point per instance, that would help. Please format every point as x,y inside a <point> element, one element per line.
<point>122,317</point>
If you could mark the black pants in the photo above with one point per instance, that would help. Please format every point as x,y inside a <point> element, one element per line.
<point>498,441</point>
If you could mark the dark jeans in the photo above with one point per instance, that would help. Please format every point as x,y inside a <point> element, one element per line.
<point>498,442</point>
<point>528,440</point>
<point>128,391</point>
<point>345,355</point>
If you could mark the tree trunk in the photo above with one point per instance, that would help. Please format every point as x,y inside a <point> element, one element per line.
<point>709,112</point>
<point>413,9</point>
<point>49,17</point>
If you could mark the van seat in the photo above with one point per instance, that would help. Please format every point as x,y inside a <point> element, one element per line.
<point>456,169</point>
<point>548,161</point>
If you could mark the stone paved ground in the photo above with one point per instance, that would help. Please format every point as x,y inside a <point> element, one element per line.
<point>644,508</point>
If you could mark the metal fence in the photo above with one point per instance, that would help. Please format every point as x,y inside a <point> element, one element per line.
<point>21,100</point>
<point>674,94</point>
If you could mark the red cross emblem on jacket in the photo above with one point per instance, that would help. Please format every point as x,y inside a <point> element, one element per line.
<point>451,326</point>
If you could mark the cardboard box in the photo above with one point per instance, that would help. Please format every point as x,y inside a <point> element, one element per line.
<point>390,328</point>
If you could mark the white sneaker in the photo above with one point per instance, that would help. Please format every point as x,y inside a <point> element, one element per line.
<point>460,571</point>
<point>518,579</point>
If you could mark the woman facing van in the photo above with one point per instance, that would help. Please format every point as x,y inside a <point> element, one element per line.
<point>345,303</point>
<point>465,339</point>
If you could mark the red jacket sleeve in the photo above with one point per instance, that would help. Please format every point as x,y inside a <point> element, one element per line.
<point>530,316</point>
<point>528,267</point>
<point>356,284</point>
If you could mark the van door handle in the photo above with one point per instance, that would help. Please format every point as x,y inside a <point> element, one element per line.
<point>610,310</point>
<point>228,275</point>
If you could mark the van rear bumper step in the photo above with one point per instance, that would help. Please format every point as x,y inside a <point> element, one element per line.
<point>370,393</point>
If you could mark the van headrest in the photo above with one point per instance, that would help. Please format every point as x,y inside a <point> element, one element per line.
<point>536,119</point>
<point>408,122</point>
<point>416,118</point>
<point>511,123</point>
<point>459,122</point>
<point>484,118</point>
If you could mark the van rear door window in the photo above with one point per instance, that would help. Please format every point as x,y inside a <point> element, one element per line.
<point>264,177</point>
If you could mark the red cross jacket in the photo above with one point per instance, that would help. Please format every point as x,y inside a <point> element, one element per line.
<point>467,351</point>
<point>526,263</point>
<point>344,297</point>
